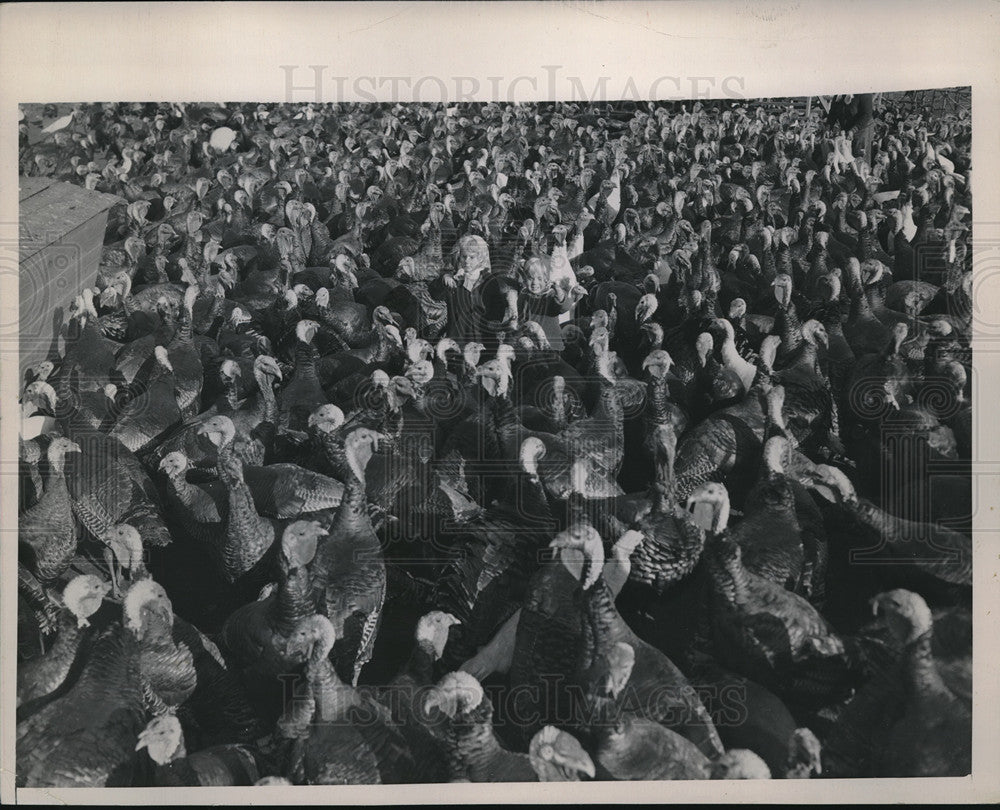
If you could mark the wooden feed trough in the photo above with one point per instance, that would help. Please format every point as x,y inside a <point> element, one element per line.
<point>61,232</point>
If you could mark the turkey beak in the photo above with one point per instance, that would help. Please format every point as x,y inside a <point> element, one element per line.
<point>703,513</point>
<point>297,649</point>
<point>570,756</point>
<point>109,297</point>
<point>608,685</point>
<point>72,447</point>
<point>876,606</point>
<point>564,542</point>
<point>394,336</point>
<point>444,702</point>
<point>214,437</point>
<point>824,491</point>
<point>162,608</point>
<point>48,395</point>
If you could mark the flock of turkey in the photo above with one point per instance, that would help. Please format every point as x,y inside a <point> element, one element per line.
<point>413,443</point>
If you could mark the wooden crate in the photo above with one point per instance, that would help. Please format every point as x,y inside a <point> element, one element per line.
<point>61,233</point>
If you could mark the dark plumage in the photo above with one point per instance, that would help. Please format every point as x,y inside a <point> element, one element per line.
<point>502,442</point>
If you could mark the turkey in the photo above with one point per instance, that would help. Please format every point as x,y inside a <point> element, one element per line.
<point>47,534</point>
<point>338,735</point>
<point>348,573</point>
<point>255,635</point>
<point>760,629</point>
<point>630,746</point>
<point>659,689</point>
<point>87,736</point>
<point>473,752</point>
<point>909,720</point>
<point>38,677</point>
<point>541,441</point>
<point>218,766</point>
<point>403,693</point>
<point>246,537</point>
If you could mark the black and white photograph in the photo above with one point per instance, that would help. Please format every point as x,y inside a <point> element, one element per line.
<point>398,441</point>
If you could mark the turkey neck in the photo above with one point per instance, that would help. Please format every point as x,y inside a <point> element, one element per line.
<point>285,271</point>
<point>63,649</point>
<point>558,408</point>
<point>502,426</point>
<point>333,696</point>
<point>435,243</point>
<point>294,600</point>
<point>806,237</point>
<point>128,303</point>
<point>861,308</point>
<point>867,244</point>
<point>166,329</point>
<point>788,326</point>
<point>768,266</point>
<point>68,393</point>
<point>157,273</point>
<point>501,221</point>
<point>809,356</point>
<point>420,664</point>
<point>807,191</point>
<point>333,452</point>
<point>474,742</point>
<point>580,198</point>
<point>608,405</point>
<point>604,624</point>
<point>269,403</point>
<point>875,518</point>
<point>231,397</point>
<point>728,574</point>
<point>818,266</point>
<point>187,493</point>
<point>531,498</point>
<point>922,673</point>
<point>705,252</point>
<point>783,259</point>
<point>36,478</point>
<point>664,490</point>
<point>305,361</point>
<point>659,400</point>
<point>353,522</point>
<point>842,221</point>
<point>383,347</point>
<point>876,295</point>
<point>246,531</point>
<point>184,333</point>
<point>55,480</point>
